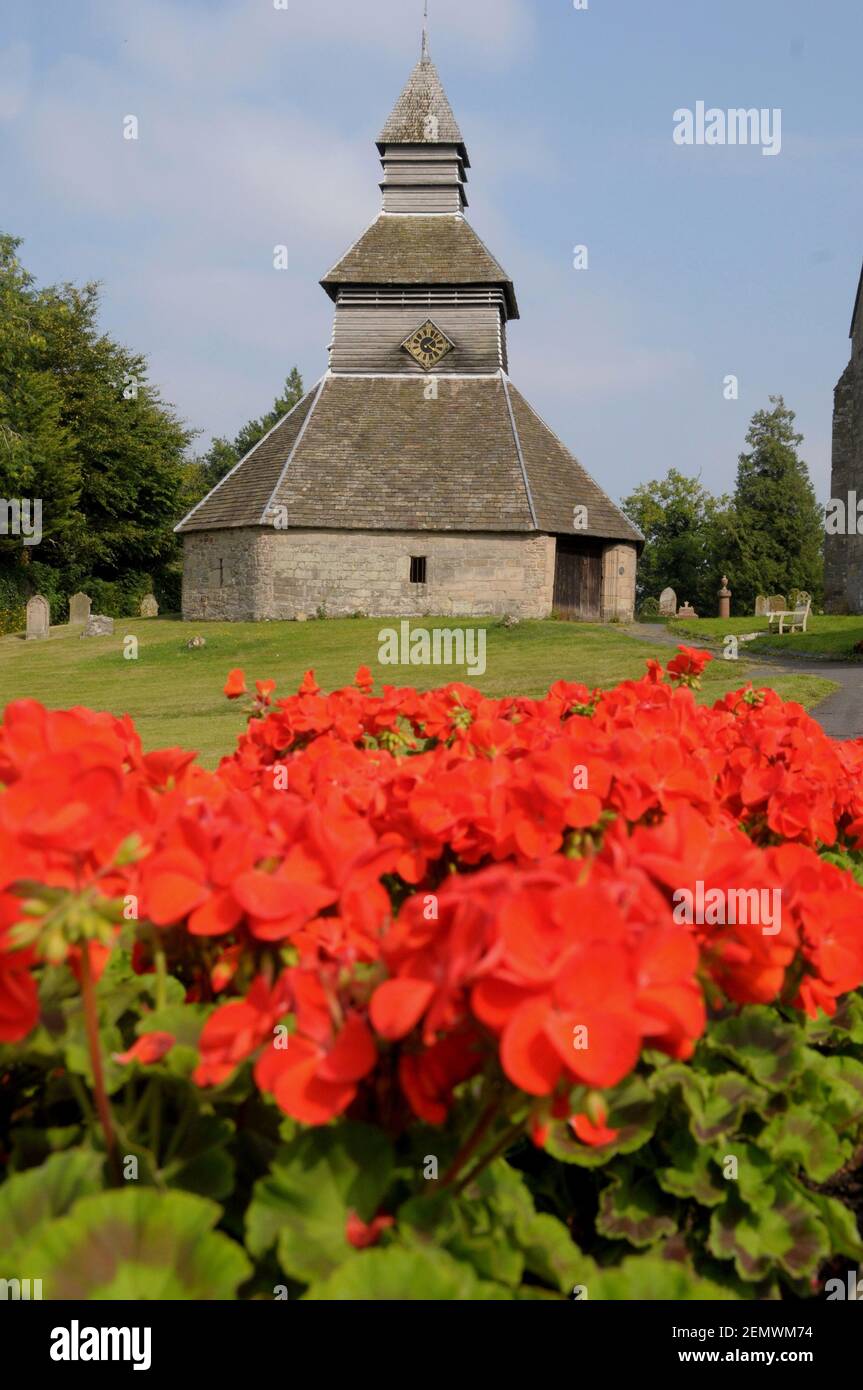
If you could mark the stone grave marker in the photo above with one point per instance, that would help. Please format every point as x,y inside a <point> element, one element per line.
<point>668,604</point>
<point>762,606</point>
<point>149,607</point>
<point>79,609</point>
<point>38,618</point>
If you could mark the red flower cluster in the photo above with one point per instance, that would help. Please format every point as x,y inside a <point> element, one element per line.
<point>397,893</point>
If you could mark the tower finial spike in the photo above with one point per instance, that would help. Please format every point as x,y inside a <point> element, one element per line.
<point>425,49</point>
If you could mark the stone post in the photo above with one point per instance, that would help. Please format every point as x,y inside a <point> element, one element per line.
<point>725,599</point>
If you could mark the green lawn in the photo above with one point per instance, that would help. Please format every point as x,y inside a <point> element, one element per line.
<point>175,695</point>
<point>827,636</point>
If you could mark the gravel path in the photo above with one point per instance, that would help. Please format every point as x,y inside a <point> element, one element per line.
<point>840,715</point>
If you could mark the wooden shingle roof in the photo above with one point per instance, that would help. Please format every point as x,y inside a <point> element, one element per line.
<point>240,498</point>
<point>371,453</point>
<point>416,250</point>
<point>558,483</point>
<point>422,115</point>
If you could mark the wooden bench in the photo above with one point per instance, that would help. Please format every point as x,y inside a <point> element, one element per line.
<point>792,620</point>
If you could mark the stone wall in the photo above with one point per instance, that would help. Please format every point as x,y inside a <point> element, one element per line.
<point>619,563</point>
<point>233,591</point>
<point>347,572</point>
<point>268,575</point>
<point>843,555</point>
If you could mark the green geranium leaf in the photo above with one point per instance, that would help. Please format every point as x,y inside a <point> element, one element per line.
<point>729,1097</point>
<point>551,1254</point>
<point>399,1275</point>
<point>798,1136</point>
<point>303,1204</point>
<point>632,1110</point>
<point>40,1194</point>
<point>788,1234</point>
<point>633,1208</point>
<point>135,1244</point>
<point>762,1044</point>
<point>644,1278</point>
<point>840,1225</point>
<point>203,1163</point>
<point>757,1173</point>
<point>835,1088</point>
<point>692,1172</point>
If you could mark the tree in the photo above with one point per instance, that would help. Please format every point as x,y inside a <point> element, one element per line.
<point>224,454</point>
<point>682,523</point>
<point>84,432</point>
<point>776,537</point>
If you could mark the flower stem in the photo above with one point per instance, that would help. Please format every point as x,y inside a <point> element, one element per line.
<point>91,1020</point>
<point>472,1143</point>
<point>161,976</point>
<point>505,1142</point>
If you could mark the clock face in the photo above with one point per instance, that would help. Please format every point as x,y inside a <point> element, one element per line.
<point>428,345</point>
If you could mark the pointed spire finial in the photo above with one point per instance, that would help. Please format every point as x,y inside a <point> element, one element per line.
<point>425,49</point>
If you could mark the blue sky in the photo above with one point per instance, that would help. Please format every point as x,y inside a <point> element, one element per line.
<point>257,128</point>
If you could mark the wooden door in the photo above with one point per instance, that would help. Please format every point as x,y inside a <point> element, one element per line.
<point>578,579</point>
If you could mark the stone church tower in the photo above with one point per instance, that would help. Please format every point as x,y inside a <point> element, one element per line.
<point>843,553</point>
<point>414,478</point>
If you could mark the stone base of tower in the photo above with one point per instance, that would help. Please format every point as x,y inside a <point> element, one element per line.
<point>271,575</point>
<point>256,575</point>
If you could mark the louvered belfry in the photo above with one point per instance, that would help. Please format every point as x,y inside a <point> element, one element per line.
<point>414,446</point>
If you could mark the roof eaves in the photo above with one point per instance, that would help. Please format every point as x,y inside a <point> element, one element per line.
<point>629,522</point>
<point>244,459</point>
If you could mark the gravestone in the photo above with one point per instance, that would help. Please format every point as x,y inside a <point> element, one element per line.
<point>725,598</point>
<point>778,604</point>
<point>668,604</point>
<point>195,642</point>
<point>38,618</point>
<point>99,626</point>
<point>149,607</point>
<point>687,611</point>
<point>79,609</point>
<point>762,606</point>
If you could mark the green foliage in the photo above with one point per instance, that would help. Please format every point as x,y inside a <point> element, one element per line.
<point>83,430</point>
<point>775,543</point>
<point>225,454</point>
<point>134,1244</point>
<point>728,1176</point>
<point>767,538</point>
<point>682,524</point>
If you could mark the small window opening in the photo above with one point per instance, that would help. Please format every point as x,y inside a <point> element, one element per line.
<point>221,574</point>
<point>418,569</point>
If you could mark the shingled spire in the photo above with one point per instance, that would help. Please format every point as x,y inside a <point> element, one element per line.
<point>422,115</point>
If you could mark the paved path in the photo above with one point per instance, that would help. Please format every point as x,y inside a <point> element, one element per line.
<point>840,715</point>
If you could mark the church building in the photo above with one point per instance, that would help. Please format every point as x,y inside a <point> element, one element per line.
<point>843,547</point>
<point>414,478</point>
